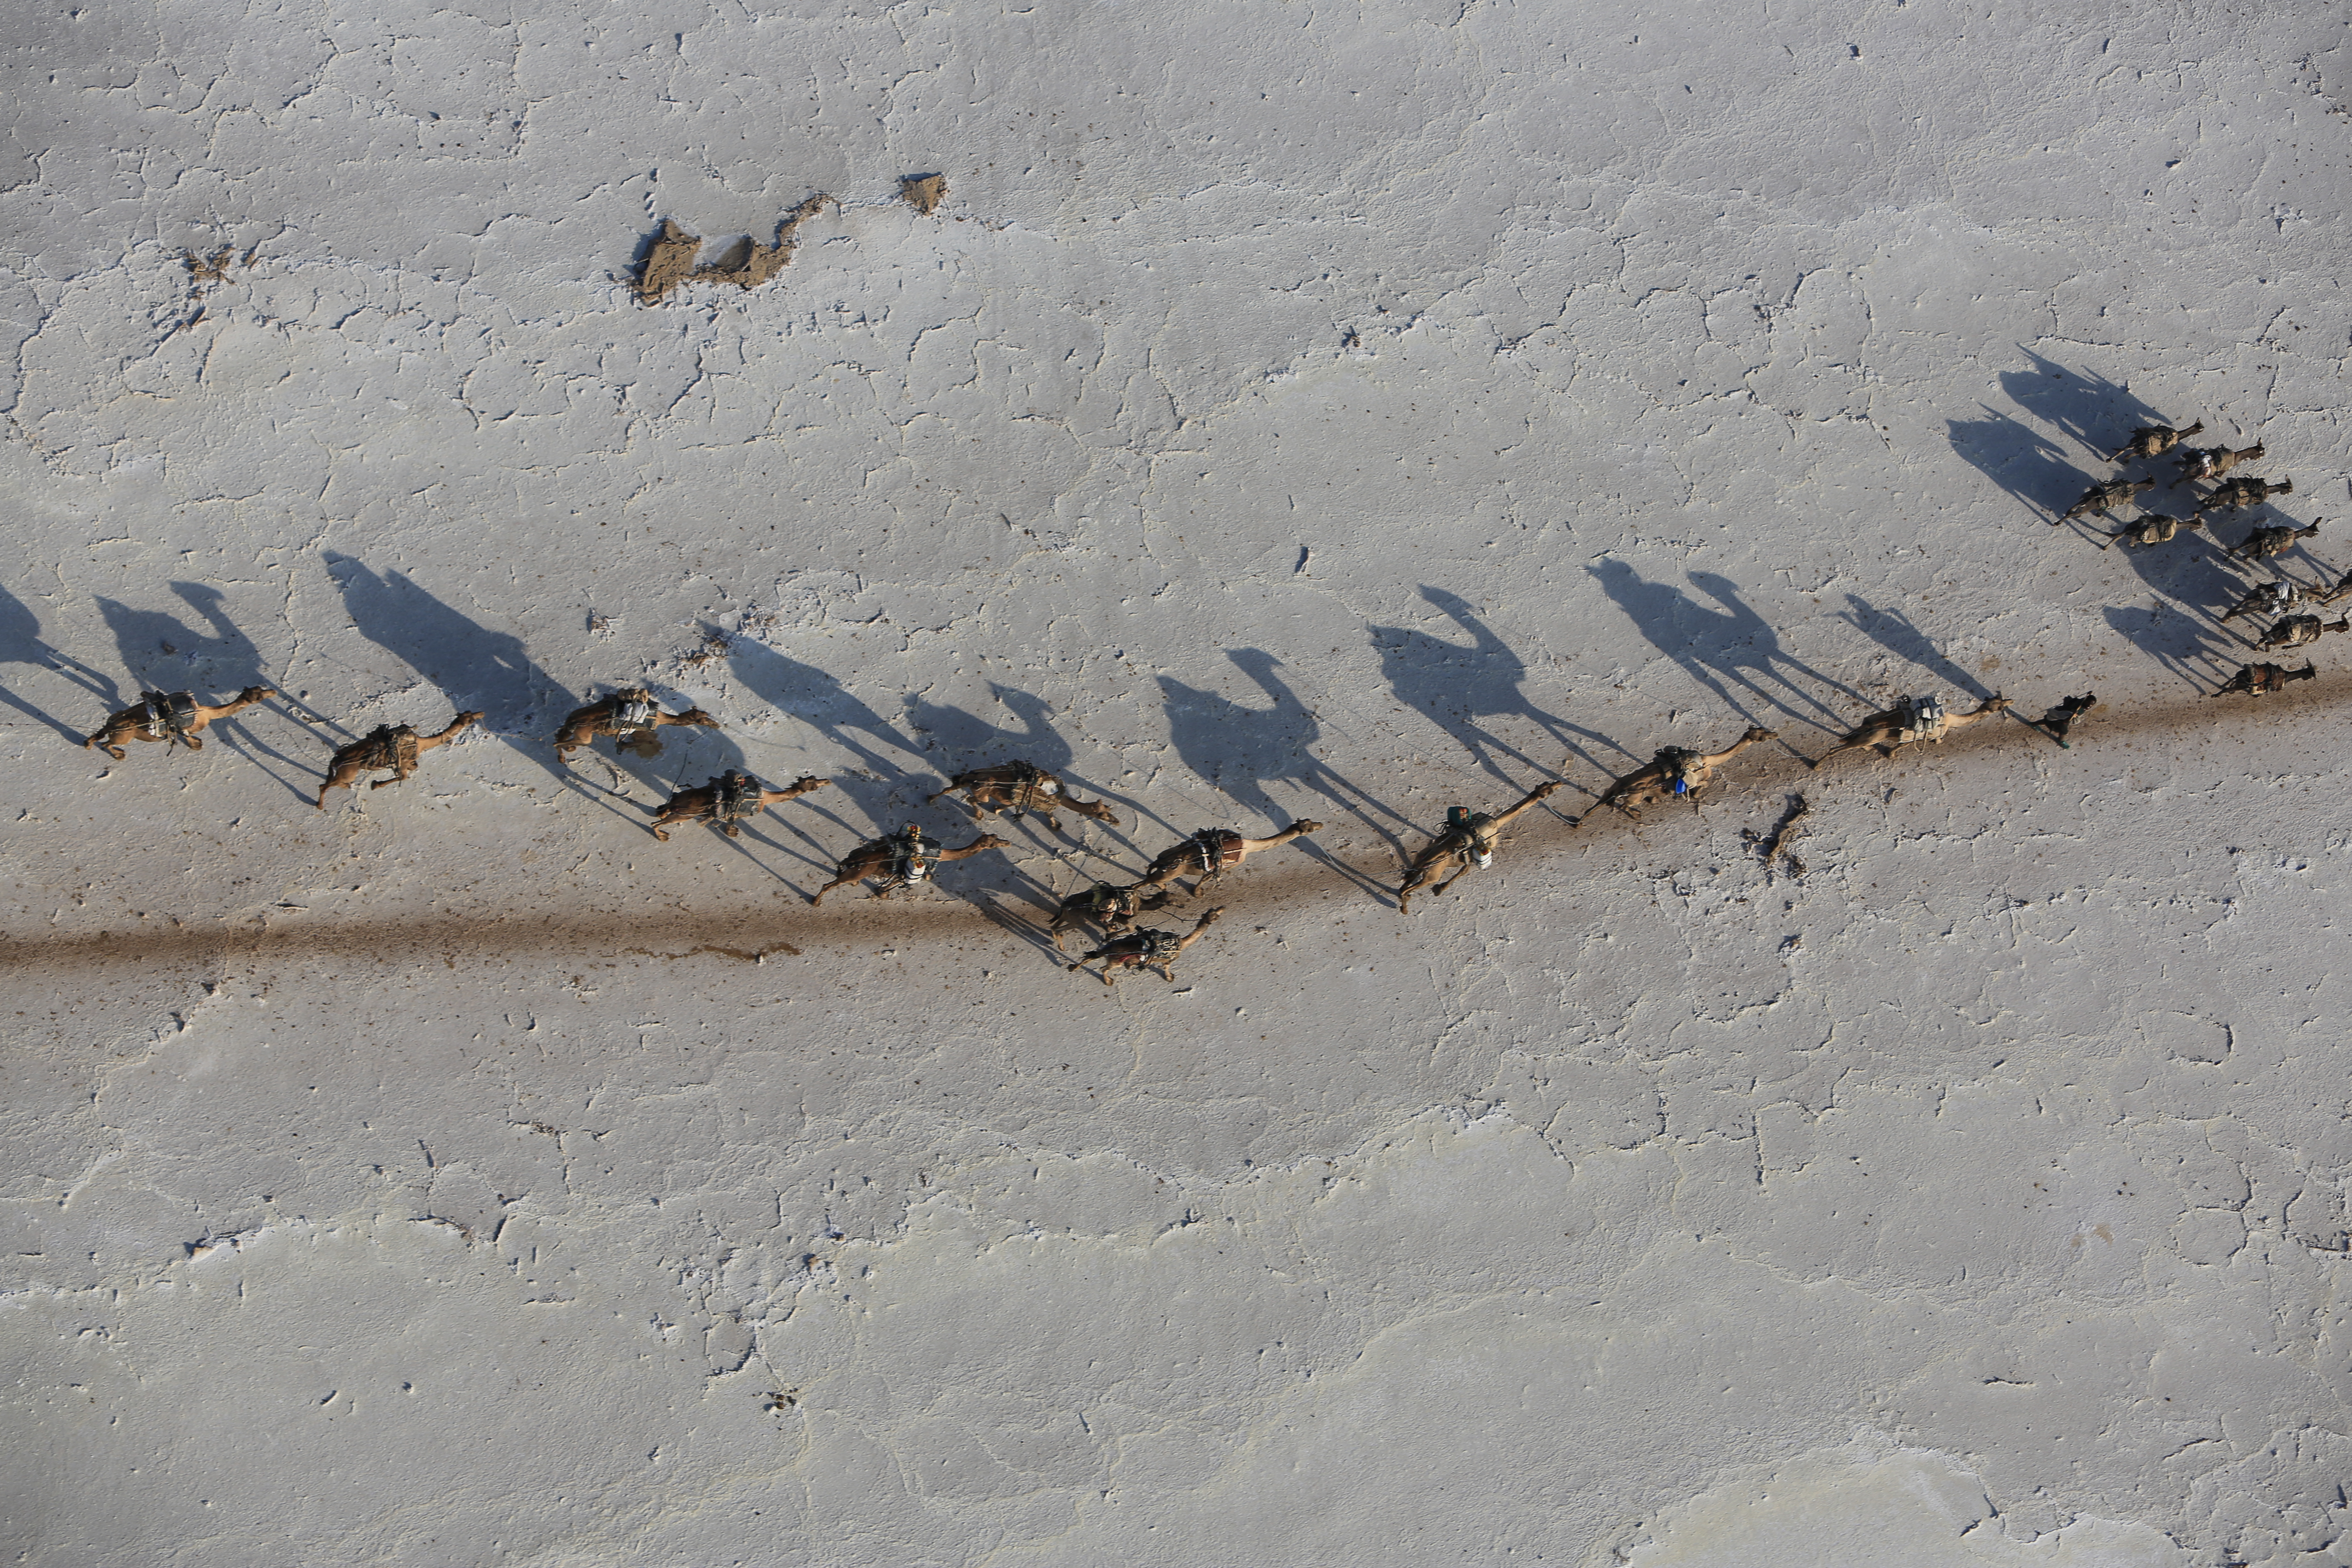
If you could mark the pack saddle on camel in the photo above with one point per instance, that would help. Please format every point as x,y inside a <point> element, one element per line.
<point>901,859</point>
<point>1911,722</point>
<point>2293,631</point>
<point>2100,498</point>
<point>2153,529</point>
<point>2232,494</point>
<point>1675,771</point>
<point>726,801</point>
<point>1111,908</point>
<point>387,746</point>
<point>1013,788</point>
<point>1469,839</point>
<point>2262,680</point>
<point>631,717</point>
<point>175,718</point>
<point>2265,543</point>
<point>1212,851</point>
<point>2268,599</point>
<point>2212,462</point>
<point>2154,441</point>
<point>1147,949</point>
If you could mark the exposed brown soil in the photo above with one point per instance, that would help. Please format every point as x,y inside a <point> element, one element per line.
<point>749,264</point>
<point>924,193</point>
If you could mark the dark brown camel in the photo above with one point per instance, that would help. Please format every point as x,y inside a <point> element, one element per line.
<point>2057,722</point>
<point>1469,838</point>
<point>2099,497</point>
<point>1912,720</point>
<point>2235,493</point>
<point>1113,908</point>
<point>395,747</point>
<point>2265,543</point>
<point>176,718</point>
<point>1147,949</point>
<point>2155,441</point>
<point>2212,462</point>
<point>1675,771</point>
<point>630,716</point>
<point>2293,631</point>
<point>726,801</point>
<point>2156,529</point>
<point>900,859</point>
<point>1013,788</point>
<point>1212,851</point>
<point>2261,679</point>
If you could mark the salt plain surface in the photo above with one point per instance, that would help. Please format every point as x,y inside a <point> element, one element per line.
<point>1291,410</point>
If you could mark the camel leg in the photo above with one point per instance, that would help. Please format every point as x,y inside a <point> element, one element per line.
<point>339,779</point>
<point>842,882</point>
<point>1451,880</point>
<point>397,777</point>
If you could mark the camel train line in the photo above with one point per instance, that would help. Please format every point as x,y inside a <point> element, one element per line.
<point>631,718</point>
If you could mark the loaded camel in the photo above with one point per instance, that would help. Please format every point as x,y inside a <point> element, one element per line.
<point>1469,839</point>
<point>2099,497</point>
<point>2293,631</point>
<point>1113,908</point>
<point>1013,788</point>
<point>2152,530</point>
<point>1909,722</point>
<point>2212,462</point>
<point>392,746</point>
<point>1211,851</point>
<point>2056,721</point>
<point>2265,543</point>
<point>1675,770</point>
<point>2233,494</point>
<point>1147,949</point>
<point>901,859</point>
<point>2261,679</point>
<point>2154,441</point>
<point>175,718</point>
<point>726,801</point>
<point>630,716</point>
<point>2268,599</point>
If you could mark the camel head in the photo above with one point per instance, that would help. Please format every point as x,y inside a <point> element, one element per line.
<point>696,716</point>
<point>1209,916</point>
<point>1759,733</point>
<point>1094,808</point>
<point>1995,703</point>
<point>1549,788</point>
<point>471,716</point>
<point>804,784</point>
<point>2283,488</point>
<point>257,693</point>
<point>1305,825</point>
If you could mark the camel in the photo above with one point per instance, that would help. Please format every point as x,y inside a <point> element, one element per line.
<point>2212,462</point>
<point>1913,719</point>
<point>2056,723</point>
<point>2261,679</point>
<point>2271,599</point>
<point>2343,586</point>
<point>1675,770</point>
<point>175,718</point>
<point>631,717</point>
<point>2265,543</point>
<point>2293,631</point>
<point>727,800</point>
<point>1017,788</point>
<point>2154,441</point>
<point>2099,497</point>
<point>2235,493</point>
<point>1469,839</point>
<point>901,859</point>
<point>395,747</point>
<point>1147,949</point>
<point>2152,530</point>
<point>1112,908</point>
<point>1211,851</point>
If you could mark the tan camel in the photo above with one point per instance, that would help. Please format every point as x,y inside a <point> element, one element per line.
<point>1469,839</point>
<point>2099,497</point>
<point>2155,441</point>
<point>176,718</point>
<point>2152,530</point>
<point>2235,493</point>
<point>2265,543</point>
<point>1113,908</point>
<point>1676,770</point>
<point>1147,949</point>
<point>2212,462</point>
<point>2293,631</point>
<point>1212,851</point>
<point>631,717</point>
<point>901,859</point>
<point>2343,586</point>
<point>395,747</point>
<point>2261,679</point>
<point>1909,722</point>
<point>1016,787</point>
<point>726,801</point>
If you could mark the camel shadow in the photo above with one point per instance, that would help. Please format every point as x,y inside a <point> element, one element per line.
<point>2184,647</point>
<point>818,701</point>
<point>1894,631</point>
<point>215,659</point>
<point>2021,461</point>
<point>21,643</point>
<point>1458,688</point>
<point>1722,649</point>
<point>2092,409</point>
<point>1224,740</point>
<point>969,741</point>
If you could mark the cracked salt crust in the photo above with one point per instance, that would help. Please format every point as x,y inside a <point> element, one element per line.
<point>435,1180</point>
